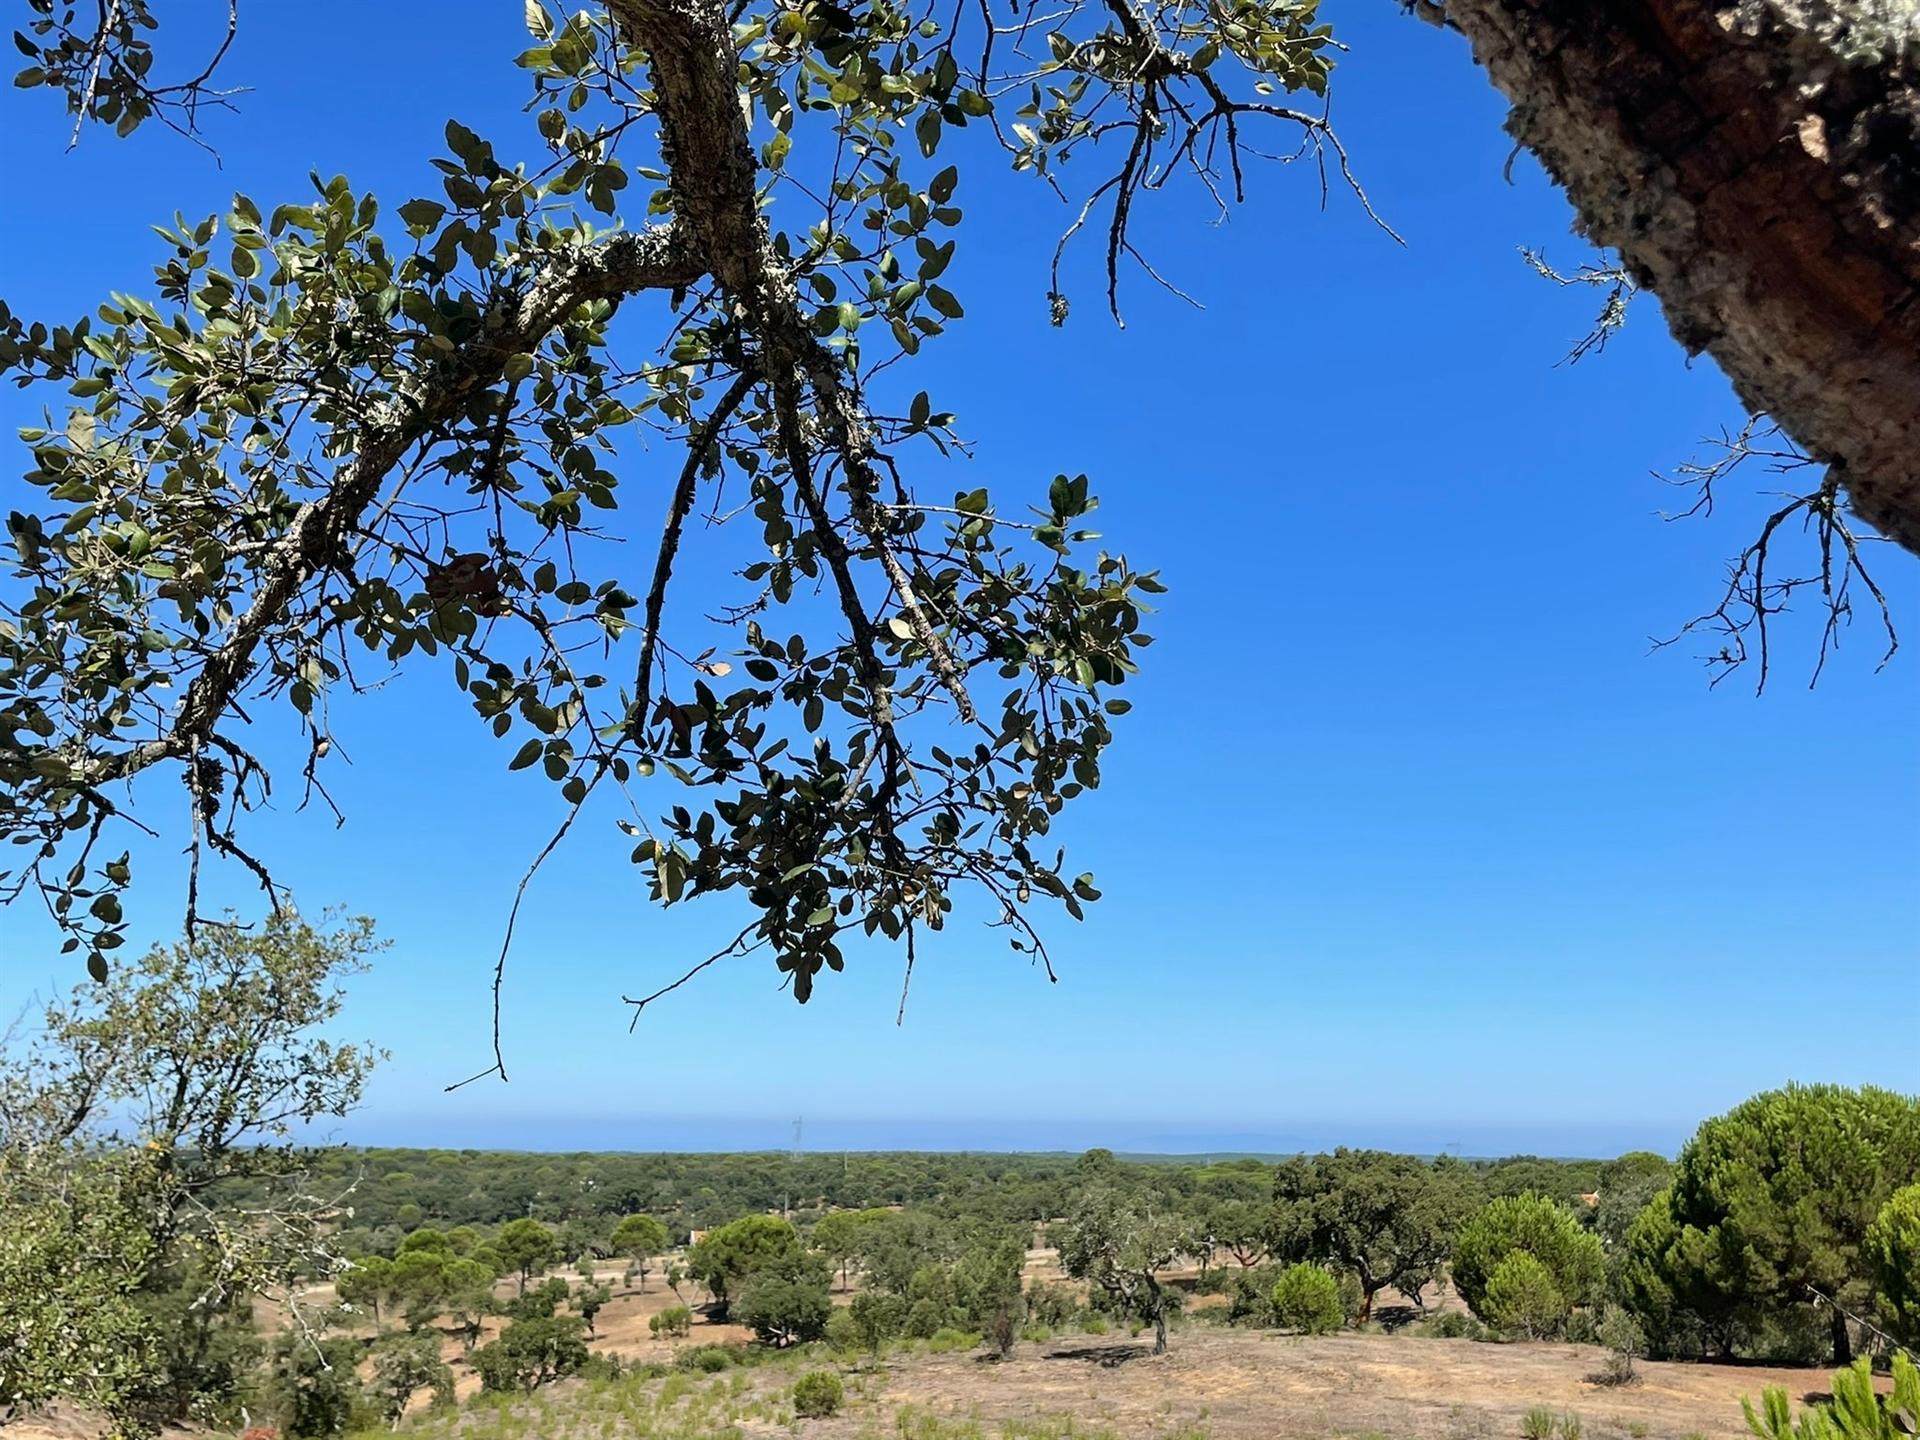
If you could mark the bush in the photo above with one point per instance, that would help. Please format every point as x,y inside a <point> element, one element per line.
<point>1307,1299</point>
<point>1522,1297</point>
<point>878,1317</point>
<point>843,1331</point>
<point>1622,1336</point>
<point>1570,1427</point>
<point>1452,1325</point>
<point>674,1320</point>
<point>817,1394</point>
<point>602,1366</point>
<point>1541,1228</point>
<point>1537,1423</point>
<point>529,1353</point>
<point>1002,1329</point>
<point>707,1359</point>
<point>1053,1306</point>
<point>942,1342</point>
<point>1096,1325</point>
<point>925,1318</point>
<point>1249,1296</point>
<point>1353,1297</point>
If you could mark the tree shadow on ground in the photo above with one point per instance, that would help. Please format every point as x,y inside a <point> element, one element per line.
<point>1394,1317</point>
<point>1108,1357</point>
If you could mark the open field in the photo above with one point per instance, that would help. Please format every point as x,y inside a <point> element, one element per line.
<point>1238,1385</point>
<point>1212,1385</point>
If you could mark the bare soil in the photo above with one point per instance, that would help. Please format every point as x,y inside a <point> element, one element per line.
<point>1240,1385</point>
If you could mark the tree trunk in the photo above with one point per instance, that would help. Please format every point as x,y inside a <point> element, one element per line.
<point>1754,164</point>
<point>1159,1302</point>
<point>1842,1340</point>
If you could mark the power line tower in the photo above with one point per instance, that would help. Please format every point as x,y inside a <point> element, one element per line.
<point>793,1165</point>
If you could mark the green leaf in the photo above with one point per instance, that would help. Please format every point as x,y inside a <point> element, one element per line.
<point>529,753</point>
<point>539,23</point>
<point>422,215</point>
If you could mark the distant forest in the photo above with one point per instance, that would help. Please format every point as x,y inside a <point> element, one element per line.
<point>392,1191</point>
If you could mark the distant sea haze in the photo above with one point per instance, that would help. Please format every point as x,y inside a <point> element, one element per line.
<point>646,1133</point>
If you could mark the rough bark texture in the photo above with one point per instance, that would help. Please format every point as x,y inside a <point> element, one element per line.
<point>1756,163</point>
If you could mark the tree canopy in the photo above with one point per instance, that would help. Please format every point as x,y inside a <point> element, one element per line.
<point>343,433</point>
<point>1771,1205</point>
<point>131,1125</point>
<point>1387,1219</point>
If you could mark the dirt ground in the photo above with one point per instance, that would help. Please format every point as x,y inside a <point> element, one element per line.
<point>1240,1386</point>
<point>1234,1385</point>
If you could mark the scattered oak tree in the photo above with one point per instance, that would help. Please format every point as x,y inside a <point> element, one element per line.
<point>589,1300</point>
<point>531,1353</point>
<point>1120,1247</point>
<point>151,1183</point>
<point>837,1235</point>
<point>1385,1219</point>
<point>785,1301</point>
<point>404,1365</point>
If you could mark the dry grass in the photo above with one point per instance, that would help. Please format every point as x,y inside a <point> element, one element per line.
<point>1212,1385</point>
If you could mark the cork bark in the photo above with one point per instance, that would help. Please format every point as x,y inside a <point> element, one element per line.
<point>1756,164</point>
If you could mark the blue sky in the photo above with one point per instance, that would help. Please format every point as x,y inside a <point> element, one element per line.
<point>1408,839</point>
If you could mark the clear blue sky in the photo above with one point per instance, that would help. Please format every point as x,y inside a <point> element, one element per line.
<point>1408,839</point>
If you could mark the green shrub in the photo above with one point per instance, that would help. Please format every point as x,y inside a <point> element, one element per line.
<point>878,1316</point>
<point>1307,1299</point>
<point>817,1394</point>
<point>530,1353</point>
<point>1521,1297</point>
<point>843,1331</point>
<point>946,1341</point>
<point>1570,1427</point>
<point>1452,1325</point>
<point>1353,1297</point>
<point>1249,1296</point>
<point>786,1302</point>
<point>1096,1325</point>
<point>1624,1339</point>
<point>1053,1306</point>
<point>925,1317</point>
<point>602,1366</point>
<point>674,1320</point>
<point>708,1359</point>
<point>1539,1227</point>
<point>1537,1424</point>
